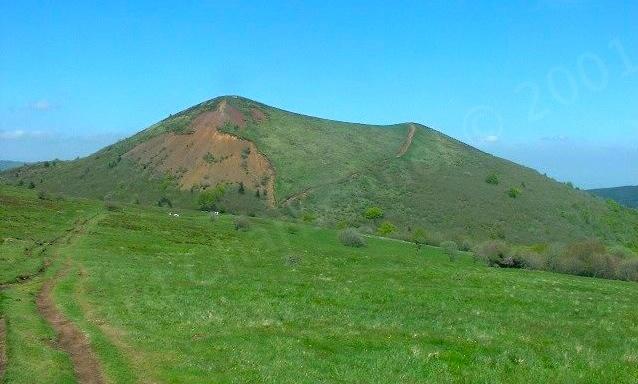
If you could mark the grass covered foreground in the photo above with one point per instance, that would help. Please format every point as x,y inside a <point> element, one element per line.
<point>189,299</point>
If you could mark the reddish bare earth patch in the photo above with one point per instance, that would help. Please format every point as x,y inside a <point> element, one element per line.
<point>408,141</point>
<point>70,338</point>
<point>258,115</point>
<point>207,157</point>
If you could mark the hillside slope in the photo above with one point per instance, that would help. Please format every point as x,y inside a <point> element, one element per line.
<point>627,196</point>
<point>281,163</point>
<point>166,299</point>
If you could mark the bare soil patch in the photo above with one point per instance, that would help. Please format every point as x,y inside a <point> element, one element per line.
<point>408,141</point>
<point>208,157</point>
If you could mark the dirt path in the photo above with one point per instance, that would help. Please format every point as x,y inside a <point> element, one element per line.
<point>70,338</point>
<point>3,351</point>
<point>408,141</point>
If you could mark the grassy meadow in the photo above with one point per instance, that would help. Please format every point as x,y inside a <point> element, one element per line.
<point>192,299</point>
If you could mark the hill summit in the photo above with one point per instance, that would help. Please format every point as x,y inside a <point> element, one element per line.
<point>274,162</point>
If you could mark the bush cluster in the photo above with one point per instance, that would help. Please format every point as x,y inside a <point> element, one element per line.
<point>350,237</point>
<point>585,258</point>
<point>373,213</point>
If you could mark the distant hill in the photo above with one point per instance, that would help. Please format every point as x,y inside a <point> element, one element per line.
<point>8,164</point>
<point>627,196</point>
<point>275,162</point>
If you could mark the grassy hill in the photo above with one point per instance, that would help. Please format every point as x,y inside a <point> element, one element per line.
<point>277,163</point>
<point>159,298</point>
<point>8,164</point>
<point>627,196</point>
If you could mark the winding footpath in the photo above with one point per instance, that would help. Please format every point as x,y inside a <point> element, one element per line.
<point>70,338</point>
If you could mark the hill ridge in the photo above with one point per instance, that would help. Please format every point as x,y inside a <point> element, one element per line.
<point>276,162</point>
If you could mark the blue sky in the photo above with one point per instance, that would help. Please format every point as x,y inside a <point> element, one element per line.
<point>552,84</point>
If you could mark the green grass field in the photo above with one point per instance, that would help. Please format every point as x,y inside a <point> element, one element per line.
<point>189,299</point>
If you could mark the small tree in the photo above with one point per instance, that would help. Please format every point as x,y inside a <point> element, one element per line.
<point>386,228</point>
<point>208,199</point>
<point>492,179</point>
<point>373,213</point>
<point>241,188</point>
<point>514,193</point>
<point>419,237</point>
<point>164,201</point>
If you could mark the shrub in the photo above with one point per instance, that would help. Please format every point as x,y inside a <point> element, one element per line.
<point>495,253</point>
<point>492,179</point>
<point>209,158</point>
<point>351,238</point>
<point>451,249</point>
<point>419,236</point>
<point>628,270</point>
<point>513,193</point>
<point>373,213</point>
<point>588,258</point>
<point>242,223</point>
<point>31,185</point>
<point>208,199</point>
<point>164,202</point>
<point>465,245</point>
<point>386,228</point>
<point>308,217</point>
<point>579,258</point>
<point>529,259</point>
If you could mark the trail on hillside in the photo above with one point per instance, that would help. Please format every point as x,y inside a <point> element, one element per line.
<point>70,338</point>
<point>44,247</point>
<point>408,141</point>
<point>305,192</point>
<point>49,311</point>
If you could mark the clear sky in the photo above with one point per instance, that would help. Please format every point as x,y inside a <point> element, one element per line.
<point>552,84</point>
